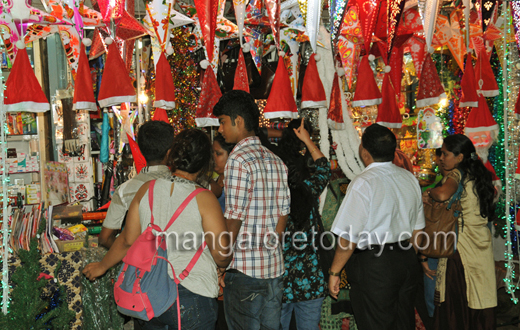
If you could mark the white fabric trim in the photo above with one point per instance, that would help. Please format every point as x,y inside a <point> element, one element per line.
<point>206,122</point>
<point>335,125</point>
<point>166,105</point>
<point>116,100</point>
<point>313,104</point>
<point>488,93</point>
<point>390,125</point>
<point>481,128</point>
<point>280,114</point>
<point>469,104</point>
<point>324,145</point>
<point>429,101</point>
<point>91,106</point>
<point>366,103</point>
<point>27,106</point>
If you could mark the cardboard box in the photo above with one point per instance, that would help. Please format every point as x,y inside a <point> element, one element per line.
<point>75,245</point>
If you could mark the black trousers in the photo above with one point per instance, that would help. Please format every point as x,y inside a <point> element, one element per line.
<point>383,288</point>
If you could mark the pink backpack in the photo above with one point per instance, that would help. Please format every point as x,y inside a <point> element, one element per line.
<point>143,288</point>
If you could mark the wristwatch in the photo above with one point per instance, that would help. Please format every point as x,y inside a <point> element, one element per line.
<point>333,274</point>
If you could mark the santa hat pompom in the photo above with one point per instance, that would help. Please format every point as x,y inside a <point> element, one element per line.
<point>431,50</point>
<point>340,71</point>
<point>518,66</point>
<point>86,42</point>
<point>109,40</point>
<point>371,57</point>
<point>246,48</point>
<point>204,64</point>
<point>169,50</point>
<point>20,44</point>
<point>388,68</point>
<point>281,53</point>
<point>142,80</point>
<point>317,57</point>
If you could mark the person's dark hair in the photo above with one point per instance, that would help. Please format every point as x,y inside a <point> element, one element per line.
<point>473,169</point>
<point>226,146</point>
<point>154,140</point>
<point>288,150</point>
<point>191,151</point>
<point>380,142</point>
<point>238,103</point>
<point>438,152</point>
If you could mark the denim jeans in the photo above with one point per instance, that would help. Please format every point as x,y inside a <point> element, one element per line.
<point>252,303</point>
<point>429,287</point>
<point>307,314</point>
<point>197,312</point>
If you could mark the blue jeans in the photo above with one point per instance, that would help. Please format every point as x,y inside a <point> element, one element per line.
<point>429,287</point>
<point>307,314</point>
<point>252,303</point>
<point>197,312</point>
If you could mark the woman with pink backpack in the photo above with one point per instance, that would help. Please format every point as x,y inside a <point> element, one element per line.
<point>201,221</point>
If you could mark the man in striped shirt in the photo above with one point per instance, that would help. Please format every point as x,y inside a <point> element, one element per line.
<point>257,205</point>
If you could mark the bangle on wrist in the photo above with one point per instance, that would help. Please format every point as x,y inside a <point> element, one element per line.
<point>423,259</point>
<point>313,150</point>
<point>333,274</point>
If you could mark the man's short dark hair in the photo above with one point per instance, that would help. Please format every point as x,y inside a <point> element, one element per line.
<point>380,142</point>
<point>238,103</point>
<point>155,139</point>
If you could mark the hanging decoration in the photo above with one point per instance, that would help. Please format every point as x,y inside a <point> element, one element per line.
<point>430,19</point>
<point>281,104</point>
<point>429,129</point>
<point>23,91</point>
<point>388,111</point>
<point>312,17</point>
<point>241,80</point>
<point>161,115</point>
<point>430,90</point>
<point>336,11</point>
<point>350,43</point>
<point>367,92</point>
<point>487,84</point>
<point>456,42</point>
<point>468,85</point>
<point>240,15</point>
<point>209,96</point>
<point>395,9</point>
<point>313,93</point>
<point>126,120</point>
<point>84,98</point>
<point>164,85</point>
<point>207,15</point>
<point>335,115</point>
<point>138,157</point>
<point>116,85</point>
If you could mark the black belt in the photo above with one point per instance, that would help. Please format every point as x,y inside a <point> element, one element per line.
<point>232,270</point>
<point>397,246</point>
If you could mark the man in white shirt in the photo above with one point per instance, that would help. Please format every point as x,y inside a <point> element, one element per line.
<point>379,218</point>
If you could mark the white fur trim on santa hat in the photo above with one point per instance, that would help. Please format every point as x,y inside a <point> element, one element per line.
<point>488,93</point>
<point>340,71</point>
<point>90,106</point>
<point>169,50</point>
<point>481,128</point>
<point>388,68</point>
<point>27,106</point>
<point>164,104</point>
<point>116,100</point>
<point>86,42</point>
<point>206,122</point>
<point>20,44</point>
<point>317,57</point>
<point>390,125</point>
<point>313,104</point>
<point>371,57</point>
<point>468,104</point>
<point>246,48</point>
<point>367,103</point>
<point>429,101</point>
<point>281,114</point>
<point>204,64</point>
<point>109,40</point>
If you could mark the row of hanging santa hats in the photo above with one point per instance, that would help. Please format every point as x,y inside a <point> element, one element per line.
<point>24,93</point>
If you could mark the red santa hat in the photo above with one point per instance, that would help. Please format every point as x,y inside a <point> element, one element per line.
<point>335,114</point>
<point>241,79</point>
<point>84,98</point>
<point>209,96</point>
<point>116,85</point>
<point>164,86</point>
<point>388,113</point>
<point>280,103</point>
<point>161,115</point>
<point>487,85</point>
<point>367,93</point>
<point>139,159</point>
<point>23,91</point>
<point>480,118</point>
<point>313,93</point>
<point>430,87</point>
<point>468,86</point>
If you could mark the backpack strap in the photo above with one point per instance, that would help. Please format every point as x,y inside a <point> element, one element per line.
<point>183,206</point>
<point>150,198</point>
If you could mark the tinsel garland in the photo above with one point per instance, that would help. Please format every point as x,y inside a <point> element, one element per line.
<point>186,79</point>
<point>324,145</point>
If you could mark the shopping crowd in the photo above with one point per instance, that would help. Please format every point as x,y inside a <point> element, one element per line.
<point>260,192</point>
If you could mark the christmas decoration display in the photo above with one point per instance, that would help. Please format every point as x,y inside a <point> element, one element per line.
<point>241,80</point>
<point>23,91</point>
<point>313,93</point>
<point>164,96</point>
<point>209,96</point>
<point>84,98</point>
<point>281,104</point>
